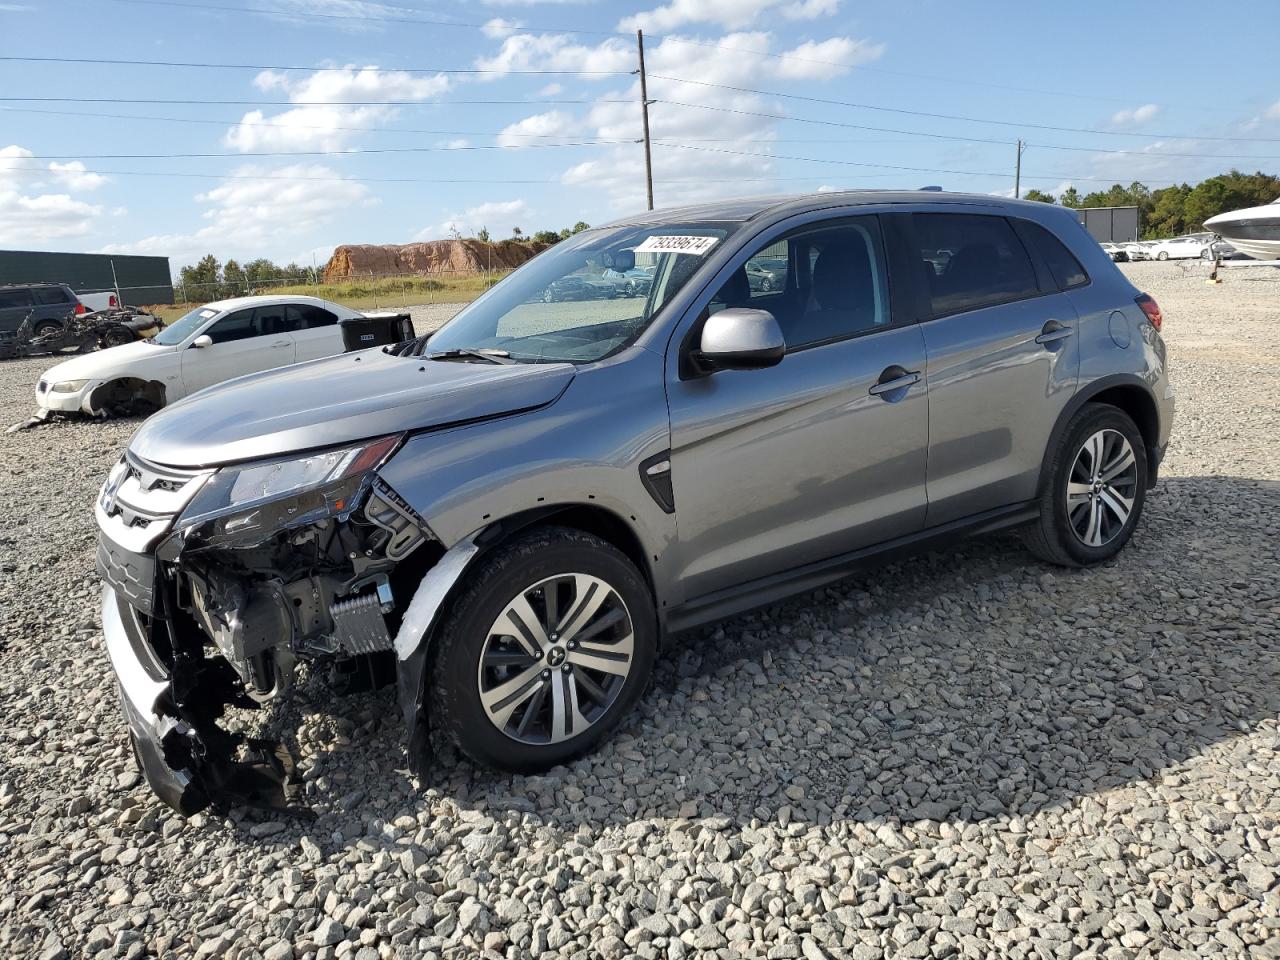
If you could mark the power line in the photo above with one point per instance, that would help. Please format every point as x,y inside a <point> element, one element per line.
<point>527,28</point>
<point>302,103</point>
<point>320,153</point>
<point>276,66</point>
<point>951,116</point>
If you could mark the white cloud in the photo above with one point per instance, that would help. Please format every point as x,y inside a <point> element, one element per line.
<point>259,216</point>
<point>458,144</point>
<point>326,117</point>
<point>538,128</point>
<point>1129,118</point>
<point>819,59</point>
<point>554,51</point>
<point>29,216</point>
<point>730,14</point>
<point>500,27</point>
<point>1273,111</point>
<point>498,217</point>
<point>551,90</point>
<point>74,176</point>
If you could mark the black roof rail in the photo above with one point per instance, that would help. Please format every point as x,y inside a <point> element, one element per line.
<point>932,188</point>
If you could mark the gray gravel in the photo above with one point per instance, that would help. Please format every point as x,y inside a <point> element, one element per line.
<point>966,754</point>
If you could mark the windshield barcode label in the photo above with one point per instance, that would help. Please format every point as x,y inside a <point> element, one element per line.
<point>675,244</point>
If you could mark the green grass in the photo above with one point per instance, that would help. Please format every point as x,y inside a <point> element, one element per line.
<point>384,293</point>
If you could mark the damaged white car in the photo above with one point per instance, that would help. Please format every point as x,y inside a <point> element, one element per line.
<point>211,344</point>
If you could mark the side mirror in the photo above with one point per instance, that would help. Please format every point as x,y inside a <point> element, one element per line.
<point>202,341</point>
<point>739,338</point>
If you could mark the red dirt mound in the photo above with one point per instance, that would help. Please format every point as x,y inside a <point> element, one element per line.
<point>432,256</point>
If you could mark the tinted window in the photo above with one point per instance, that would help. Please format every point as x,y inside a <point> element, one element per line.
<point>270,320</point>
<point>304,316</point>
<point>15,298</point>
<point>972,261</point>
<point>50,295</point>
<point>234,326</point>
<point>830,283</point>
<point>1062,263</point>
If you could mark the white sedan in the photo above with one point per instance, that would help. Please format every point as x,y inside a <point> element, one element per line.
<point>1179,248</point>
<point>213,343</point>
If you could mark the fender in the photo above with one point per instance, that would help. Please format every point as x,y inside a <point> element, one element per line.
<point>1083,396</point>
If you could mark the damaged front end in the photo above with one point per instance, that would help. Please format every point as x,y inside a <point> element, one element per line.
<point>220,582</point>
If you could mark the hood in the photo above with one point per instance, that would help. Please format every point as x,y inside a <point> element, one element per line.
<point>352,396</point>
<point>110,362</point>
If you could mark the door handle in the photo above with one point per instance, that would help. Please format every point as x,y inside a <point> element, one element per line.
<point>281,343</point>
<point>898,379</point>
<point>1053,331</point>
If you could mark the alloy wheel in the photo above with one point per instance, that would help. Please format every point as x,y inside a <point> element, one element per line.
<point>556,658</point>
<point>1102,488</point>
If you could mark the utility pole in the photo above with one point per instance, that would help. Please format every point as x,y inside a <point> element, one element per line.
<point>644,114</point>
<point>1017,173</point>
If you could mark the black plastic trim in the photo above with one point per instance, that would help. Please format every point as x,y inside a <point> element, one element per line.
<point>764,591</point>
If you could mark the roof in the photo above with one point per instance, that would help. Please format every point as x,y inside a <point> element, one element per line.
<point>236,303</point>
<point>749,208</point>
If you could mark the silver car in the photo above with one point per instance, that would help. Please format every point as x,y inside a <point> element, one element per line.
<point>505,517</point>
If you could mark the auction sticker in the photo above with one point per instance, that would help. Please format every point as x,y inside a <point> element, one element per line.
<point>677,244</point>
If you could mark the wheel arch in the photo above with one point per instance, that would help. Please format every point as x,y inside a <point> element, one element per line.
<point>124,389</point>
<point>1126,392</point>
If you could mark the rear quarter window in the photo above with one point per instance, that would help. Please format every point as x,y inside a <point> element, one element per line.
<point>47,296</point>
<point>972,261</point>
<point>15,298</point>
<point>1066,269</point>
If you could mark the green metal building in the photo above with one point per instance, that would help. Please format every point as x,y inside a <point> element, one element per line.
<point>142,281</point>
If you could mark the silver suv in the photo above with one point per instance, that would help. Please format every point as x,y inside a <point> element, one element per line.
<point>505,517</point>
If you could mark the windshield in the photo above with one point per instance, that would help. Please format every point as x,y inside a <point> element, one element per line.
<point>182,328</point>
<point>585,297</point>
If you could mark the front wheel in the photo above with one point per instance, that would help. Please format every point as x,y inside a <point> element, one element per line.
<point>546,650</point>
<point>1095,491</point>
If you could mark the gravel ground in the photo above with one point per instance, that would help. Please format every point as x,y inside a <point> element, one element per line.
<point>965,754</point>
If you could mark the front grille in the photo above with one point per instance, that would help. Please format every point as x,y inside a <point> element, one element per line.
<point>140,501</point>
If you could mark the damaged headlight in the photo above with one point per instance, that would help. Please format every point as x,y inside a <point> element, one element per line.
<point>268,495</point>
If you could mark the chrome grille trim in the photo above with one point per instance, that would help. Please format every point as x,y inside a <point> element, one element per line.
<point>140,501</point>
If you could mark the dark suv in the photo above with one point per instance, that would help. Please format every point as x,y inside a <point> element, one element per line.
<point>507,515</point>
<point>49,305</point>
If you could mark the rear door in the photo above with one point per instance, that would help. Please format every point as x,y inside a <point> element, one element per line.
<point>15,305</point>
<point>244,341</point>
<point>315,331</point>
<point>1003,360</point>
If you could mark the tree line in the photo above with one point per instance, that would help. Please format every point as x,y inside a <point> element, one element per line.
<point>1176,210</point>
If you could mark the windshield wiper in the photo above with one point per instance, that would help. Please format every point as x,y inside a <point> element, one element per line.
<point>463,353</point>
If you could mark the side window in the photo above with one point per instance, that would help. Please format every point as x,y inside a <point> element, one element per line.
<point>270,320</point>
<point>972,261</point>
<point>1066,269</point>
<point>232,327</point>
<point>49,296</point>
<point>825,283</point>
<point>305,316</point>
<point>767,270</point>
<point>15,298</point>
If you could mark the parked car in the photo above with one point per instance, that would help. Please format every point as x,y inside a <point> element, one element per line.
<point>634,282</point>
<point>99,300</point>
<point>578,287</point>
<point>213,343</point>
<point>506,515</point>
<point>1137,250</point>
<point>1116,252</point>
<point>766,273</point>
<point>48,307</point>
<point>1180,248</point>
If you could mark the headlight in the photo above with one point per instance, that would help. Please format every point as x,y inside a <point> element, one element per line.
<point>278,493</point>
<point>68,386</point>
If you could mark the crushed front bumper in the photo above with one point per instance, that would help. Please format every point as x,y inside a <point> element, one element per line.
<point>161,740</point>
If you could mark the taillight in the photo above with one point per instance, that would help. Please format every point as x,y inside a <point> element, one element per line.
<point>1150,308</point>
<point>112,301</point>
<point>80,309</point>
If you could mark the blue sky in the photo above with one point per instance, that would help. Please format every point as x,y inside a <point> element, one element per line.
<point>375,140</point>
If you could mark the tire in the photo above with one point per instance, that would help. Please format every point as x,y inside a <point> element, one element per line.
<point>1070,539</point>
<point>46,327</point>
<point>1162,255</point>
<point>548,296</point>
<point>117,337</point>
<point>1206,254</point>
<point>495,700</point>
<point>766,285</point>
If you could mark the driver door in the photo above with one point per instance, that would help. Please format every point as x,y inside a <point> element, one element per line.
<point>776,468</point>
<point>245,341</point>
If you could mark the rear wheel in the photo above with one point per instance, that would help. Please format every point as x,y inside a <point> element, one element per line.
<point>46,327</point>
<point>117,336</point>
<point>548,647</point>
<point>1095,492</point>
<point>1162,255</point>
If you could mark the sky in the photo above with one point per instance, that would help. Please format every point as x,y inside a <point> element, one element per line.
<point>296,125</point>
